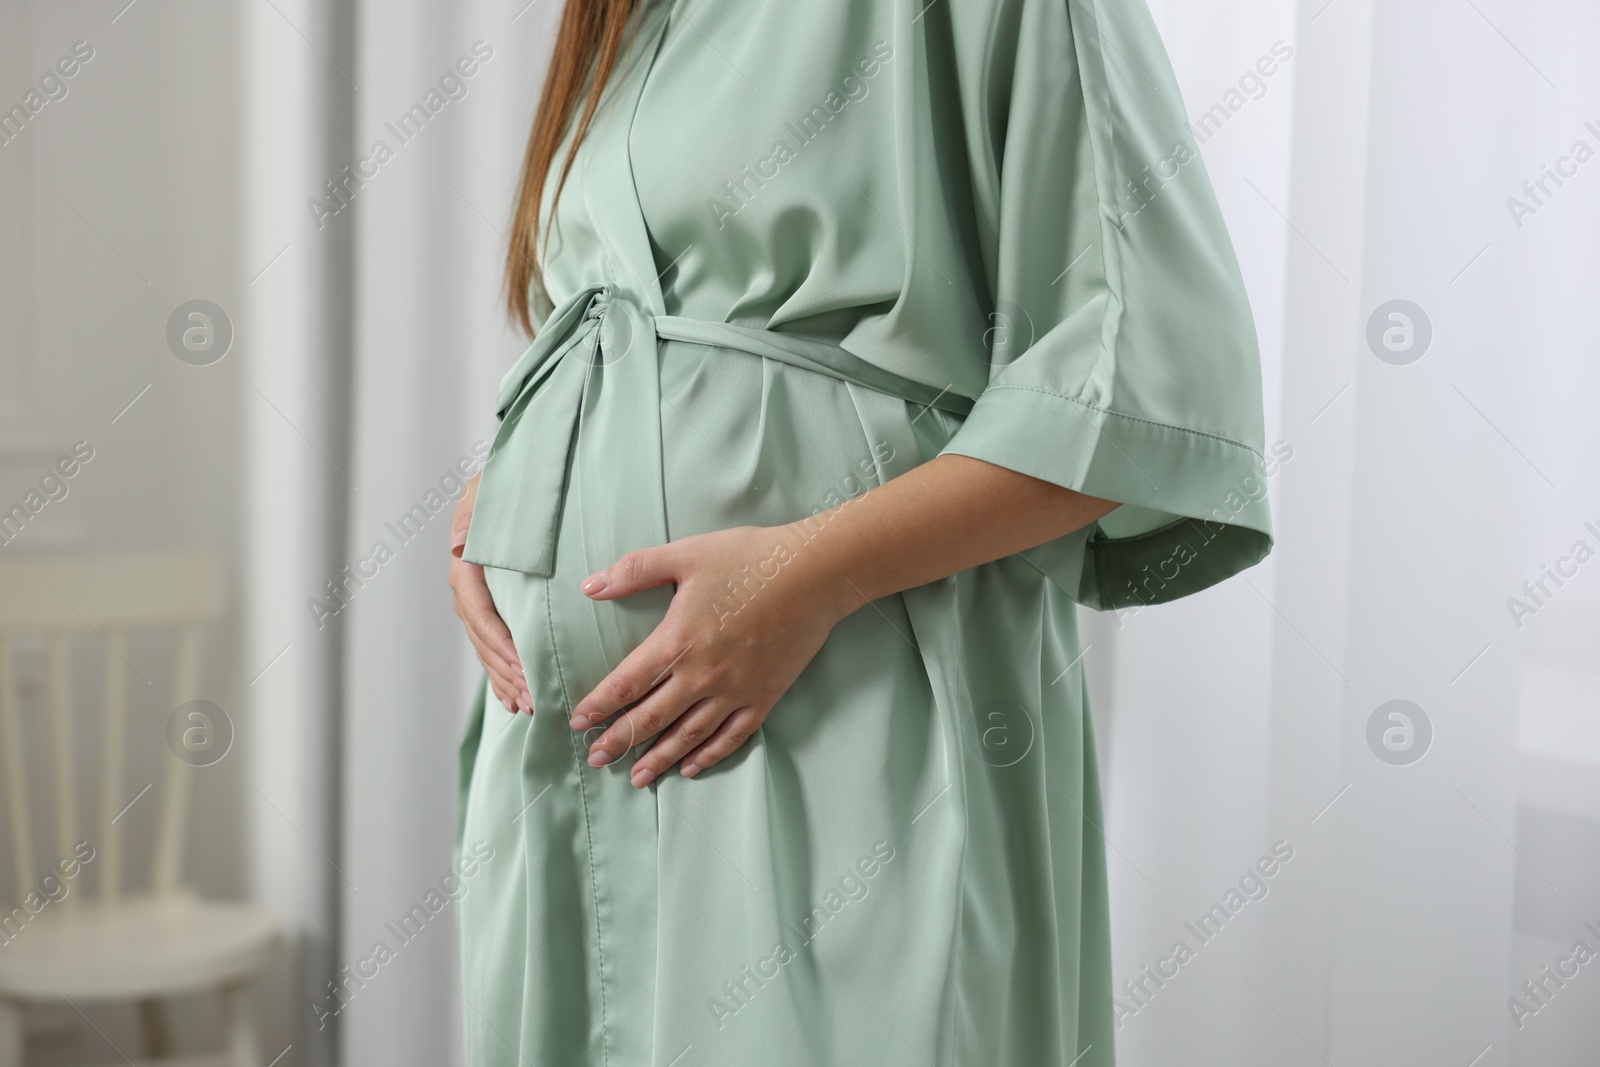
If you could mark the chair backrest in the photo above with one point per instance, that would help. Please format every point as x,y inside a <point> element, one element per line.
<point>99,599</point>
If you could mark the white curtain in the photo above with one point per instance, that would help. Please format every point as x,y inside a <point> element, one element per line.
<point>382,344</point>
<point>1376,167</point>
<point>1363,154</point>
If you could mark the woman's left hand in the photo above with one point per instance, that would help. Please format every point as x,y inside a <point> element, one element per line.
<point>750,611</point>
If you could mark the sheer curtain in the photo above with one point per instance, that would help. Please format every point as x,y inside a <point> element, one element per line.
<point>1428,466</point>
<point>383,144</point>
<point>1441,859</point>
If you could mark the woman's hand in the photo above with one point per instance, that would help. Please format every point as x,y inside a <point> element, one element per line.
<point>749,613</point>
<point>475,607</point>
<point>754,604</point>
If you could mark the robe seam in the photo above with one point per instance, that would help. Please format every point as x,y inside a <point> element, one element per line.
<point>625,113</point>
<point>1102,158</point>
<point>1131,418</point>
<point>959,772</point>
<point>1046,784</point>
<point>588,833</point>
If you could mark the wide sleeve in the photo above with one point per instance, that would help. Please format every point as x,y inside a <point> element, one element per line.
<point>1123,362</point>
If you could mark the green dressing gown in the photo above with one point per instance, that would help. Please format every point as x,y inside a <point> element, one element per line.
<point>804,248</point>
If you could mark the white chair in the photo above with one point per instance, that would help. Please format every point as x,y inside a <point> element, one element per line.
<point>119,947</point>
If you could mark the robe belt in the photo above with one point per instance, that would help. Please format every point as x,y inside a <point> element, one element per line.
<point>597,348</point>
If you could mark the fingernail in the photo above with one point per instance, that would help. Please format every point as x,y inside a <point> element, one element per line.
<point>593,584</point>
<point>689,770</point>
<point>579,722</point>
<point>599,757</point>
<point>643,777</point>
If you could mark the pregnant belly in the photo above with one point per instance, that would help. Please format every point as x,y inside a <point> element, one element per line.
<point>745,440</point>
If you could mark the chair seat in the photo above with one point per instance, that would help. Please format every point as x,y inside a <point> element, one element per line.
<point>139,947</point>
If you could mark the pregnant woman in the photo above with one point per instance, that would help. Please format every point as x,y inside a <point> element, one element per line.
<point>874,337</point>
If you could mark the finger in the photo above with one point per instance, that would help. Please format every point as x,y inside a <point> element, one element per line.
<point>478,606</point>
<point>646,568</point>
<point>490,637</point>
<point>505,690</point>
<point>693,728</point>
<point>496,639</point>
<point>492,654</point>
<point>735,730</point>
<point>488,632</point>
<point>640,671</point>
<point>649,717</point>
<point>508,673</point>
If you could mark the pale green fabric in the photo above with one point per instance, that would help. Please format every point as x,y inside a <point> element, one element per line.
<point>804,248</point>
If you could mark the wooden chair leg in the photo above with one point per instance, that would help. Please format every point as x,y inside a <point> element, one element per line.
<point>153,1025</point>
<point>239,1019</point>
<point>13,1021</point>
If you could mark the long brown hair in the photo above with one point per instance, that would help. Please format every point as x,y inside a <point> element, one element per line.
<point>587,44</point>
